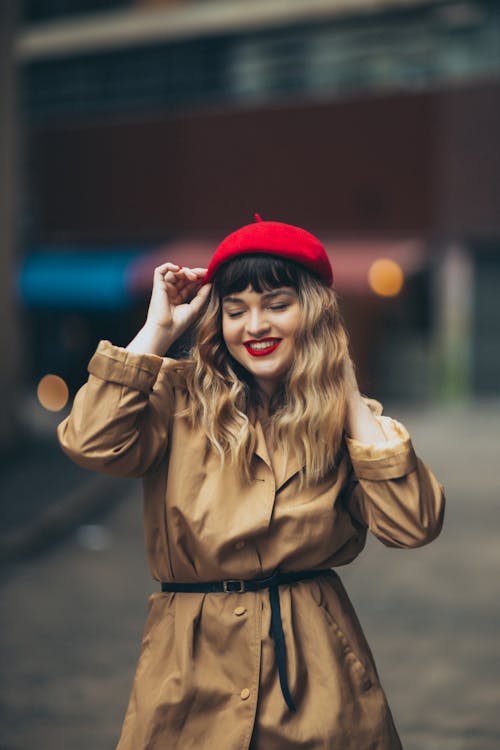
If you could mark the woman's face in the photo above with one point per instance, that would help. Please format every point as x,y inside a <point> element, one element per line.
<point>259,331</point>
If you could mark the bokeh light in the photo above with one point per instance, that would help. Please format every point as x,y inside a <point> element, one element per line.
<point>52,392</point>
<point>386,277</point>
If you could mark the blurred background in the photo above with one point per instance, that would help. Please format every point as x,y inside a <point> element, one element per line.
<point>136,132</point>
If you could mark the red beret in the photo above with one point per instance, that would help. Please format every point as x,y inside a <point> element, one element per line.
<point>274,238</point>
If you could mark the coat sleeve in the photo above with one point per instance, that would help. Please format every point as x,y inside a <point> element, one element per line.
<point>393,492</point>
<point>119,421</point>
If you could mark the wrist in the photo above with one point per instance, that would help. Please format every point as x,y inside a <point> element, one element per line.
<point>152,339</point>
<point>360,422</point>
<point>354,412</point>
<point>354,402</point>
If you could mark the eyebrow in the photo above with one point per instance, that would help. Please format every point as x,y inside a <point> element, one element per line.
<point>265,296</point>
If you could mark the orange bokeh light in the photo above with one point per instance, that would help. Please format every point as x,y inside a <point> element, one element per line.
<point>52,393</point>
<point>386,277</point>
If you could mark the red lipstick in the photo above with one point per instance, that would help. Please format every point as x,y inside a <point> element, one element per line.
<point>265,350</point>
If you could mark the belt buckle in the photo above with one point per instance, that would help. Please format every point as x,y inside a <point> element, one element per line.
<point>239,582</point>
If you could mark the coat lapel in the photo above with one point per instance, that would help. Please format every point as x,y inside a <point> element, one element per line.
<point>292,467</point>
<point>282,473</point>
<point>260,449</point>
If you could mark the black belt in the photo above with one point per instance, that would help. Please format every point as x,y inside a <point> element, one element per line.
<point>254,584</point>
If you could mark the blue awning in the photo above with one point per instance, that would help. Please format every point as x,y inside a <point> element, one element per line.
<point>93,278</point>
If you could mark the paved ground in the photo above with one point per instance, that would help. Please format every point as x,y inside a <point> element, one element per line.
<point>71,619</point>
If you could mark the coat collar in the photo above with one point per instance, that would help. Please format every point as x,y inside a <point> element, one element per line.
<point>292,465</point>
<point>260,449</point>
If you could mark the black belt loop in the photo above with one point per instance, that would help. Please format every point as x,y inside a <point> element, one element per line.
<point>240,586</point>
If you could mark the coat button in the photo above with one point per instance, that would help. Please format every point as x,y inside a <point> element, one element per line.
<point>239,611</point>
<point>245,693</point>
<point>240,544</point>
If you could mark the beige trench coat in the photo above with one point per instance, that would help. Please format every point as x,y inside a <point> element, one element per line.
<point>207,676</point>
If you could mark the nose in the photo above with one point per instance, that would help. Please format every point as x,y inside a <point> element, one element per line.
<point>257,324</point>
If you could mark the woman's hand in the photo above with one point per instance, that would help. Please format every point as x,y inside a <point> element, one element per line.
<point>176,302</point>
<point>177,297</point>
<point>360,422</point>
<point>352,390</point>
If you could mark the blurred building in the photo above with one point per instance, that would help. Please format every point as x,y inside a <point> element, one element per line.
<point>167,124</point>
<point>11,364</point>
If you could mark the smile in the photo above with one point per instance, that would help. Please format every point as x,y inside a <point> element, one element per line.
<point>262,348</point>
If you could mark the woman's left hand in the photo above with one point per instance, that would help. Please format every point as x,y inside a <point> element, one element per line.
<point>360,423</point>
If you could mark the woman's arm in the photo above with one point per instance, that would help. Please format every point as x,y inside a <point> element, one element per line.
<point>120,418</point>
<point>393,492</point>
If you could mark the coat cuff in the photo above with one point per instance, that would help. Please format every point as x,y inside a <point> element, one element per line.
<point>387,459</point>
<point>117,365</point>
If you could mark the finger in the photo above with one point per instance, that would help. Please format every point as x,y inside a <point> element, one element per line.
<point>182,275</point>
<point>171,277</point>
<point>187,279</point>
<point>201,297</point>
<point>184,293</point>
<point>164,267</point>
<point>181,286</point>
<point>167,281</point>
<point>190,273</point>
<point>179,279</point>
<point>180,292</point>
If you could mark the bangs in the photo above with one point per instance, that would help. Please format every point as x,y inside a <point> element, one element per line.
<point>260,271</point>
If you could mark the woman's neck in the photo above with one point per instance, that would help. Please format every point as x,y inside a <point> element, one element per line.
<point>265,400</point>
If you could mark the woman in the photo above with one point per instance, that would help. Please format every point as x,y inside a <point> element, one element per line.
<point>263,468</point>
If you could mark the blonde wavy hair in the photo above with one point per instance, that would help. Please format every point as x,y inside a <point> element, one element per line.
<point>308,411</point>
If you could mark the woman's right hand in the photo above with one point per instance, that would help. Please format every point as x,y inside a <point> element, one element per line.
<point>177,299</point>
